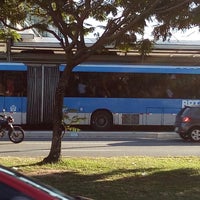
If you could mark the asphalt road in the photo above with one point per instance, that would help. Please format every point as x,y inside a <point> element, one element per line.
<point>104,147</point>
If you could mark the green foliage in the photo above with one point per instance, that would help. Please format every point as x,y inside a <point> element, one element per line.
<point>8,33</point>
<point>126,42</point>
<point>70,18</point>
<point>13,10</point>
<point>145,47</point>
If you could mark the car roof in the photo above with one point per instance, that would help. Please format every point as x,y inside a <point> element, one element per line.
<point>192,106</point>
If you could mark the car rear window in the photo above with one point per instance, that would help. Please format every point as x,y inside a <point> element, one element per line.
<point>183,110</point>
<point>191,111</point>
<point>186,111</point>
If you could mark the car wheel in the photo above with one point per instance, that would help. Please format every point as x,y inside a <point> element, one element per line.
<point>195,134</point>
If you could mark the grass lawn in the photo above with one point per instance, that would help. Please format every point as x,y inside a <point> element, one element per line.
<point>118,178</point>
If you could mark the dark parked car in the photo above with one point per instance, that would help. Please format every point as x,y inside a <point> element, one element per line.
<point>15,186</point>
<point>187,123</point>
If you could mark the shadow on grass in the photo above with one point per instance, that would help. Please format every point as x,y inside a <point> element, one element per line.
<point>150,183</point>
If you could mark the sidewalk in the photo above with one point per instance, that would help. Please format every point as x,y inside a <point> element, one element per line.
<point>103,135</point>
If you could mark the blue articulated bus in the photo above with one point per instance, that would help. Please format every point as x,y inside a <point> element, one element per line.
<point>100,94</point>
<point>104,95</point>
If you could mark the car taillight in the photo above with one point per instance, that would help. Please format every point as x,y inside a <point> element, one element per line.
<point>186,119</point>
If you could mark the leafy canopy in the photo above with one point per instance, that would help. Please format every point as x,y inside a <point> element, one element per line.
<point>116,18</point>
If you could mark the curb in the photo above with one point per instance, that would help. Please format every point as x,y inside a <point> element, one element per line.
<point>103,135</point>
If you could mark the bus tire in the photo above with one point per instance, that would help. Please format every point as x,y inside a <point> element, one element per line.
<point>101,120</point>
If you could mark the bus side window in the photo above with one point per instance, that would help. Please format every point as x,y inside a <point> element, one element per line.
<point>2,90</point>
<point>82,88</point>
<point>2,84</point>
<point>10,87</point>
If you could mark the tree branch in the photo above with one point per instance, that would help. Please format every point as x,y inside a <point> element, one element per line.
<point>114,34</point>
<point>169,9</point>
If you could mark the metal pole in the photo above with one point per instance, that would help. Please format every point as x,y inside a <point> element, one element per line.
<point>42,95</point>
<point>8,49</point>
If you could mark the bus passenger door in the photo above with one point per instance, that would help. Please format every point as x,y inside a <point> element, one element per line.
<point>154,116</point>
<point>42,82</point>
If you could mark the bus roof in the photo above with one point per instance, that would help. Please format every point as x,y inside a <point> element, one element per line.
<point>130,68</point>
<point>12,67</point>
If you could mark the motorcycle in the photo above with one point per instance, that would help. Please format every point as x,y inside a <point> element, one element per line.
<point>15,133</point>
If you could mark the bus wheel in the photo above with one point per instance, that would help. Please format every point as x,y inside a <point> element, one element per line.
<point>102,120</point>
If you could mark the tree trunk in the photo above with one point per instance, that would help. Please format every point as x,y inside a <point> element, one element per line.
<point>55,151</point>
